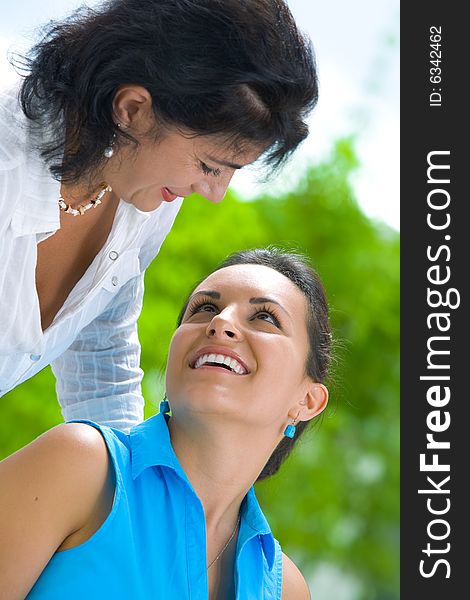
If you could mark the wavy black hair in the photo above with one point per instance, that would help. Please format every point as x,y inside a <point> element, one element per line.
<point>236,68</point>
<point>295,267</point>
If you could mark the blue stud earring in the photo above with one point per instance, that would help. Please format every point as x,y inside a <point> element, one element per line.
<point>290,430</point>
<point>165,407</point>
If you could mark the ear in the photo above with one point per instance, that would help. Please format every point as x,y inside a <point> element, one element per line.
<point>132,107</point>
<point>314,401</point>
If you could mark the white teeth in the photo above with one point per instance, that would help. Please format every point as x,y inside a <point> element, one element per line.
<point>237,368</point>
<point>230,362</point>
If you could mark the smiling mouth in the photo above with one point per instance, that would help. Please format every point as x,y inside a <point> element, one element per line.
<point>168,195</point>
<point>219,360</point>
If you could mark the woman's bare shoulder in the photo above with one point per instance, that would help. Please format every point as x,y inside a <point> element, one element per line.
<point>68,458</point>
<point>68,445</point>
<point>294,586</point>
<point>48,490</point>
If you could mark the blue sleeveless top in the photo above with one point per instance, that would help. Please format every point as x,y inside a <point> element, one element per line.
<point>152,545</point>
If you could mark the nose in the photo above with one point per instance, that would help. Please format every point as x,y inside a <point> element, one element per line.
<point>215,189</point>
<point>223,326</point>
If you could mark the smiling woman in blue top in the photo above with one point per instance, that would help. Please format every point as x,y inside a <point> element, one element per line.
<point>169,510</point>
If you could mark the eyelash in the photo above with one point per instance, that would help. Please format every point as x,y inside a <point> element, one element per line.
<point>197,304</point>
<point>272,313</point>
<point>208,171</point>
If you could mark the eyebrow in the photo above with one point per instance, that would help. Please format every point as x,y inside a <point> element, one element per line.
<point>209,293</point>
<point>224,163</point>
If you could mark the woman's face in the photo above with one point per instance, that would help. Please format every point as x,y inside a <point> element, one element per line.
<point>174,165</point>
<point>166,164</point>
<point>252,319</point>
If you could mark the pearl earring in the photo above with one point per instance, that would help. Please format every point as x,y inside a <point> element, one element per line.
<point>109,150</point>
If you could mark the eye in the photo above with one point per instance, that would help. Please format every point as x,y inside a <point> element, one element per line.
<point>208,170</point>
<point>201,305</point>
<point>268,315</point>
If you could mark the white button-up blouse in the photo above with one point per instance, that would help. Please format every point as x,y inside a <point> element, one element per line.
<point>92,344</point>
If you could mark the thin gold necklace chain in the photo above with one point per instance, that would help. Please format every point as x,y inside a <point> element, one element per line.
<point>226,545</point>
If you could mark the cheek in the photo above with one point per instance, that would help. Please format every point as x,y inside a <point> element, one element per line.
<point>268,405</point>
<point>181,347</point>
<point>181,177</point>
<point>284,372</point>
<point>171,168</point>
<point>175,358</point>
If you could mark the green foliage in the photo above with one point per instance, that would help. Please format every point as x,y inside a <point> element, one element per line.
<point>336,499</point>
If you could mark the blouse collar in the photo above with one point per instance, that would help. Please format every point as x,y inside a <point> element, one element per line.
<point>151,446</point>
<point>37,209</point>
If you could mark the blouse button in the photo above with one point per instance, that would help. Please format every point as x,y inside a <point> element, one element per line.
<point>114,280</point>
<point>35,357</point>
<point>113,255</point>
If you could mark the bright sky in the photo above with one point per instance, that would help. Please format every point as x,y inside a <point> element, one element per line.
<point>356,45</point>
<point>357,49</point>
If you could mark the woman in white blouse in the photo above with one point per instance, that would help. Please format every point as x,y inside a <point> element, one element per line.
<point>127,109</point>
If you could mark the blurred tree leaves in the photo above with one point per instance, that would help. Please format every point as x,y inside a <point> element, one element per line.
<point>337,498</point>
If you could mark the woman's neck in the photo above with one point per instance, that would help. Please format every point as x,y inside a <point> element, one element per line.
<point>222,464</point>
<point>83,190</point>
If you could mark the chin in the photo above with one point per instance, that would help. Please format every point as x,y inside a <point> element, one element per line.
<point>147,205</point>
<point>204,401</point>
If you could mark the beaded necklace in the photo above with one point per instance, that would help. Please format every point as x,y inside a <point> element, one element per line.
<point>82,208</point>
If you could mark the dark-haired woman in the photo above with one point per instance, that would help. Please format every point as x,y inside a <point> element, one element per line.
<point>169,511</point>
<point>124,111</point>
